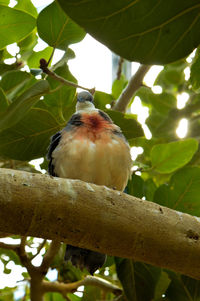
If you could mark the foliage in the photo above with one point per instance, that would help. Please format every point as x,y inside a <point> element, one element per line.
<point>32,109</point>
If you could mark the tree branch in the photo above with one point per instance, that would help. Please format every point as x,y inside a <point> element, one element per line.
<point>8,246</point>
<point>39,249</point>
<point>100,219</point>
<point>133,85</point>
<point>45,69</point>
<point>65,288</point>
<point>49,256</point>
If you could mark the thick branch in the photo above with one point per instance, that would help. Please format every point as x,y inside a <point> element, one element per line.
<point>134,84</point>
<point>65,288</point>
<point>98,218</point>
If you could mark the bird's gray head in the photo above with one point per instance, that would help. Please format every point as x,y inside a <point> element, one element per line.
<point>85,96</point>
<point>85,101</point>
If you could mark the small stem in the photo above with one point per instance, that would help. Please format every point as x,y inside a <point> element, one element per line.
<point>39,249</point>
<point>119,70</point>
<point>49,256</point>
<point>51,56</point>
<point>65,288</point>
<point>43,66</point>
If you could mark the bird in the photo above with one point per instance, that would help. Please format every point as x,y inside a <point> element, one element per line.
<point>93,149</point>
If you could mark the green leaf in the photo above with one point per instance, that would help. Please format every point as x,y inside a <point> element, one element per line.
<point>14,25</point>
<point>118,86</point>
<point>129,126</point>
<point>3,102</point>
<point>5,67</point>
<point>148,31</point>
<point>60,31</point>
<point>182,288</point>
<point>91,293</point>
<point>13,81</point>
<point>29,138</point>
<point>68,55</point>
<point>168,157</point>
<point>36,72</point>
<point>34,59</point>
<point>163,103</point>
<point>27,6</point>
<point>4,2</point>
<point>26,45</point>
<point>135,186</point>
<point>149,189</point>
<point>11,254</point>
<point>101,99</point>
<point>22,104</point>
<point>125,273</point>
<point>154,120</point>
<point>170,78</point>
<point>182,193</point>
<point>161,286</point>
<point>139,280</point>
<point>195,74</point>
<point>61,102</point>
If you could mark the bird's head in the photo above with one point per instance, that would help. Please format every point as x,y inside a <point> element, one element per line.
<point>85,101</point>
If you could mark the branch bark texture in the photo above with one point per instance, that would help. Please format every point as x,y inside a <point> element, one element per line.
<point>100,219</point>
<point>133,85</point>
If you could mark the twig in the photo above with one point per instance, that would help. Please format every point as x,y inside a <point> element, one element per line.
<point>51,57</point>
<point>133,85</point>
<point>65,288</point>
<point>44,67</point>
<point>48,257</point>
<point>39,249</point>
<point>24,258</point>
<point>119,70</point>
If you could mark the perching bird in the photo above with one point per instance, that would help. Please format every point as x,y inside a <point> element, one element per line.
<point>93,149</point>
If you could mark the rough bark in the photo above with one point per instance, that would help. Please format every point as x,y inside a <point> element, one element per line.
<point>98,218</point>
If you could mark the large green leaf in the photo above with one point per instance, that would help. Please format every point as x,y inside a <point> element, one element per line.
<point>125,273</point>
<point>118,86</point>
<point>162,103</point>
<point>14,25</point>
<point>22,104</point>
<point>61,102</point>
<point>135,186</point>
<point>29,138</point>
<point>182,288</point>
<point>140,281</point>
<point>27,6</point>
<point>195,74</point>
<point>183,191</point>
<point>57,29</point>
<point>101,99</point>
<point>13,81</point>
<point>3,102</point>
<point>148,31</point>
<point>34,59</point>
<point>168,157</point>
<point>129,126</point>
<point>172,75</point>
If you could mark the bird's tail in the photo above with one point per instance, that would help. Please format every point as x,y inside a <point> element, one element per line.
<point>83,258</point>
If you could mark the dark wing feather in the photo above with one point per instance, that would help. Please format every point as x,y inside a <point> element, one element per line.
<point>55,139</point>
